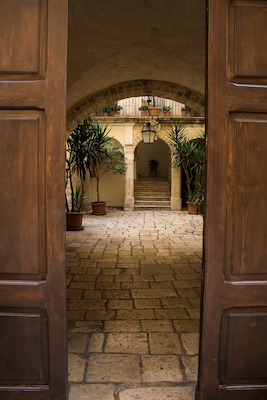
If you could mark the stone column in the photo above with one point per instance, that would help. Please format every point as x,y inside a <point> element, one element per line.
<point>176,186</point>
<point>129,176</point>
<point>129,183</point>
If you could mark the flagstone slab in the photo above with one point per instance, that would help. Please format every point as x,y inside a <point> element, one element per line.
<point>161,368</point>
<point>135,343</point>
<point>116,368</point>
<point>158,393</point>
<point>165,343</point>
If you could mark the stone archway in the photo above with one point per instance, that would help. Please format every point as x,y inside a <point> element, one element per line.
<point>122,90</point>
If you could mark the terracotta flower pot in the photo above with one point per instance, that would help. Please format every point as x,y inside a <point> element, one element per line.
<point>99,208</point>
<point>167,114</point>
<point>192,208</point>
<point>143,113</point>
<point>74,220</point>
<point>154,111</point>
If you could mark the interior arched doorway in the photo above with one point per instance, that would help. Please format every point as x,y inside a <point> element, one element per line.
<point>152,176</point>
<point>153,160</point>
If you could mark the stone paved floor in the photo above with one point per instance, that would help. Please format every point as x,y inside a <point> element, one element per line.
<point>133,306</point>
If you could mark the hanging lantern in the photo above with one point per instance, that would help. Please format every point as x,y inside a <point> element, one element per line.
<point>148,133</point>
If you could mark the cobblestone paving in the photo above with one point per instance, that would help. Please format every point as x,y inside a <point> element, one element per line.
<point>133,306</point>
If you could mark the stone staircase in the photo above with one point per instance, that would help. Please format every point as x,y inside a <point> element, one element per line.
<point>152,194</point>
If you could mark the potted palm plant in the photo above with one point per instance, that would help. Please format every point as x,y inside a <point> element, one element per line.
<point>108,157</point>
<point>190,155</point>
<point>80,154</point>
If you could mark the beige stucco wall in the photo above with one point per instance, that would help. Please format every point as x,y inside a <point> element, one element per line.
<point>111,189</point>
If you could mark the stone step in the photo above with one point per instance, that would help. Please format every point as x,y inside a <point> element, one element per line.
<point>152,194</point>
<point>151,207</point>
<point>152,190</point>
<point>153,202</point>
<point>152,185</point>
<point>151,199</point>
<point>151,179</point>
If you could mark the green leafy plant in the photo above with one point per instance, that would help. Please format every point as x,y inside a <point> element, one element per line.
<point>190,155</point>
<point>87,150</point>
<point>111,108</point>
<point>186,108</point>
<point>79,198</point>
<point>199,197</point>
<point>80,155</point>
<point>143,108</point>
<point>115,107</point>
<point>166,108</point>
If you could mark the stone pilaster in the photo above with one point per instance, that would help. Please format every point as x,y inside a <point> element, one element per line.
<point>129,183</point>
<point>176,185</point>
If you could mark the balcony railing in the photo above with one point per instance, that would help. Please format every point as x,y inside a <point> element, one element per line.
<point>136,107</point>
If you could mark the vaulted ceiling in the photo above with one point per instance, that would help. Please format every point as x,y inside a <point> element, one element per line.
<point>123,40</point>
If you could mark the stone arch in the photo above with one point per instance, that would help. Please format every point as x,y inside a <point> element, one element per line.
<point>138,138</point>
<point>121,145</point>
<point>122,90</point>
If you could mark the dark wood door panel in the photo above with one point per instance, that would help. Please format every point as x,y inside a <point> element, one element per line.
<point>30,94</point>
<point>245,392</point>
<point>24,293</point>
<point>242,360</point>
<point>244,294</point>
<point>23,25</point>
<point>242,98</point>
<point>246,197</point>
<point>23,393</point>
<point>24,347</point>
<point>22,139</point>
<point>247,44</point>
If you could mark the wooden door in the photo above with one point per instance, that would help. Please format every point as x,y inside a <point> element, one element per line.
<point>32,133</point>
<point>233,362</point>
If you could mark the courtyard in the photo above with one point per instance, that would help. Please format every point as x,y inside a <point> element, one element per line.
<point>133,288</point>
